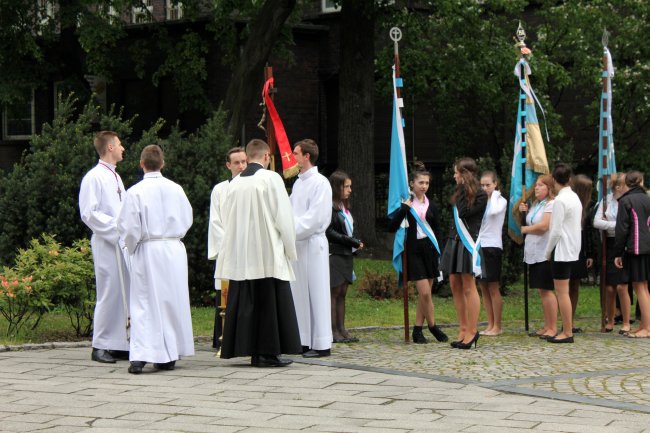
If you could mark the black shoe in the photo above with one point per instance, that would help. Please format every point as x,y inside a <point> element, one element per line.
<point>618,320</point>
<point>101,355</point>
<point>418,337</point>
<point>560,340</point>
<point>546,337</point>
<point>455,344</point>
<point>269,361</point>
<point>122,355</point>
<point>305,349</point>
<point>578,330</point>
<point>317,353</point>
<point>468,345</point>
<point>136,367</point>
<point>438,333</point>
<point>165,365</point>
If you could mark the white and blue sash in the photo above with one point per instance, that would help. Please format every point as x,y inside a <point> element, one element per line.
<point>468,242</point>
<point>426,228</point>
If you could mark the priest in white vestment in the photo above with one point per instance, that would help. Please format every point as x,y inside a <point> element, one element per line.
<point>100,202</point>
<point>311,199</point>
<point>255,255</point>
<point>155,217</point>
<point>235,163</point>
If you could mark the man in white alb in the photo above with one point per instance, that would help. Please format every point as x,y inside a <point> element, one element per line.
<point>235,163</point>
<point>100,202</point>
<point>311,198</point>
<point>155,217</point>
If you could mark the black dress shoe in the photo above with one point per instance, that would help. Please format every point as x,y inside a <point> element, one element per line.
<point>438,333</point>
<point>165,365</point>
<point>560,340</point>
<point>122,355</point>
<point>101,355</point>
<point>136,367</point>
<point>317,353</point>
<point>269,361</point>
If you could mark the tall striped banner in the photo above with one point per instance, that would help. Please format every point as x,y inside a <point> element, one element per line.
<point>606,156</point>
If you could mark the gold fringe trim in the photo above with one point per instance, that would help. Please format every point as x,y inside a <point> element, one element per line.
<point>290,172</point>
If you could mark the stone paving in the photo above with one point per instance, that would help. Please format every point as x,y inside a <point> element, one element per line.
<point>509,384</point>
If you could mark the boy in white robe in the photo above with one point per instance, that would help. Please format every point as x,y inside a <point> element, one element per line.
<point>235,163</point>
<point>258,245</point>
<point>155,217</point>
<point>311,199</point>
<point>100,202</point>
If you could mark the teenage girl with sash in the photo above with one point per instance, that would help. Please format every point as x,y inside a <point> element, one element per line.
<point>492,252</point>
<point>540,276</point>
<point>421,256</point>
<point>633,245</point>
<point>616,280</point>
<point>342,245</point>
<point>460,259</point>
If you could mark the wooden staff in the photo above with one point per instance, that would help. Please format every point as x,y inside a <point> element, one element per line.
<point>270,132</point>
<point>396,35</point>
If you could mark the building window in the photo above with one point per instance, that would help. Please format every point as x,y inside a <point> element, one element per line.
<point>330,6</point>
<point>142,14</point>
<point>18,120</point>
<point>173,10</point>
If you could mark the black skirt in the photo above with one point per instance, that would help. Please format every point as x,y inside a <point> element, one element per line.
<point>540,276</point>
<point>637,267</point>
<point>579,268</point>
<point>260,319</point>
<point>614,276</point>
<point>341,268</point>
<point>491,258</point>
<point>456,259</point>
<point>421,261</point>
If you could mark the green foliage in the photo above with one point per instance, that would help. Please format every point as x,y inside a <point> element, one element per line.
<point>63,276</point>
<point>40,194</point>
<point>197,163</point>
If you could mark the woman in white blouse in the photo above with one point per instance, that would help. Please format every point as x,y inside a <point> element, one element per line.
<point>492,252</point>
<point>616,280</point>
<point>538,219</point>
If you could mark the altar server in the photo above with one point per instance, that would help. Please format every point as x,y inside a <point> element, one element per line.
<point>155,217</point>
<point>100,202</point>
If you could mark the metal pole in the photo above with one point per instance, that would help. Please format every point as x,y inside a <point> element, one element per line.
<point>604,138</point>
<point>521,36</point>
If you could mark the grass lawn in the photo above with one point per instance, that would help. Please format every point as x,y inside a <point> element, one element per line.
<point>361,311</point>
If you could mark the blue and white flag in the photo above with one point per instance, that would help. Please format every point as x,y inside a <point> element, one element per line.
<point>533,146</point>
<point>606,130</point>
<point>398,185</point>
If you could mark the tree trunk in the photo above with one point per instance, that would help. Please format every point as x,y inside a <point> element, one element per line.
<point>246,81</point>
<point>356,152</point>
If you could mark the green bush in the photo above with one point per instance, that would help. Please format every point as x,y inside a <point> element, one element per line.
<point>47,275</point>
<point>383,285</point>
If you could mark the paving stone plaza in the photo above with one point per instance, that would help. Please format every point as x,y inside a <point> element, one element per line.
<point>511,383</point>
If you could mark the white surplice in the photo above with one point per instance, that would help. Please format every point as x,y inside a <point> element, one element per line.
<point>215,226</point>
<point>99,205</point>
<point>155,217</point>
<point>311,198</point>
<point>258,237</point>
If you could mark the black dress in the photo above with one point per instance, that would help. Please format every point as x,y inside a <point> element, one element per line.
<point>421,256</point>
<point>455,258</point>
<point>341,263</point>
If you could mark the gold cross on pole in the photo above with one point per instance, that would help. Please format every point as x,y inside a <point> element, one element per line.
<point>287,155</point>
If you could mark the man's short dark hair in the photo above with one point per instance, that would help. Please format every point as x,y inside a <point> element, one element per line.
<point>256,148</point>
<point>562,173</point>
<point>152,157</point>
<point>234,150</point>
<point>310,147</point>
<point>102,139</point>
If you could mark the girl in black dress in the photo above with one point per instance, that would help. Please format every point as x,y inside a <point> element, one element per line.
<point>470,202</point>
<point>421,256</point>
<point>342,244</point>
